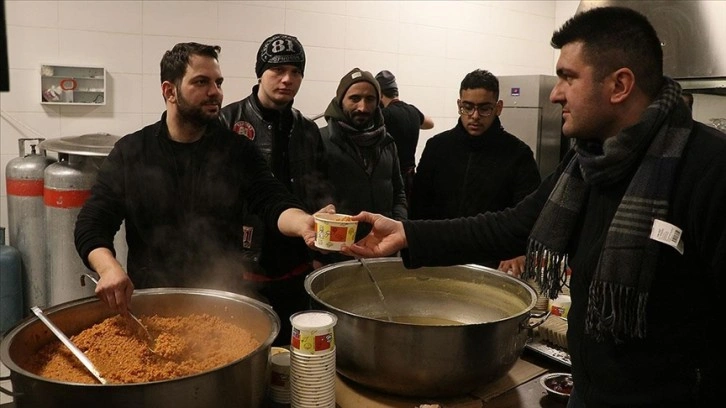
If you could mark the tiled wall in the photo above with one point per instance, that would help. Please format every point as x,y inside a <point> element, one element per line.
<point>428,45</point>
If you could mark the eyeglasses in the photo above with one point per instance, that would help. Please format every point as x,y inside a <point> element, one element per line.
<point>469,109</point>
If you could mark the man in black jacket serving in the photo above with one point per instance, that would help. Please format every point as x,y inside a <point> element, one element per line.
<point>636,209</point>
<point>181,185</point>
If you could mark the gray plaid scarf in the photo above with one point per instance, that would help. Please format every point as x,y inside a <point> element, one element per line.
<point>652,148</point>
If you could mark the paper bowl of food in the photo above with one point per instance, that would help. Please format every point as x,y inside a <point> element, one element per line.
<point>332,231</point>
<point>557,385</point>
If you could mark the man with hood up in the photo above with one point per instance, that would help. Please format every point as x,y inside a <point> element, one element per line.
<point>362,158</point>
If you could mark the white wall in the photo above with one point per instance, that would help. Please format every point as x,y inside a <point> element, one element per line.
<point>428,45</point>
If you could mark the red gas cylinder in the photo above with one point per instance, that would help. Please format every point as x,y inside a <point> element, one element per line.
<point>26,219</point>
<point>67,186</point>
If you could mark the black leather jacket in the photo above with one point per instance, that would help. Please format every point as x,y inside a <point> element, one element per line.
<point>299,164</point>
<point>305,150</point>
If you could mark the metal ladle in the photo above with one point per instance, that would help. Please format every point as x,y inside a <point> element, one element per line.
<point>68,343</point>
<point>378,289</point>
<point>136,324</point>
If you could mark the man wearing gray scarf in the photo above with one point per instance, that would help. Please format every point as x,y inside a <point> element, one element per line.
<point>362,158</point>
<point>637,211</point>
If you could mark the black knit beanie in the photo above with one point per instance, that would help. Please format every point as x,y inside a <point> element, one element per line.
<point>280,49</point>
<point>356,75</point>
<point>386,80</point>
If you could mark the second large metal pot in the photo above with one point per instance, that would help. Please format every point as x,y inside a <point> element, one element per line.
<point>241,383</point>
<point>453,328</point>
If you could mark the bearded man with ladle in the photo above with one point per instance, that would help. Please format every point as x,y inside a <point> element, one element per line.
<point>182,185</point>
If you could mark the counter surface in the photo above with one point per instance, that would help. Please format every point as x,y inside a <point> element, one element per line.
<point>526,395</point>
<point>520,388</point>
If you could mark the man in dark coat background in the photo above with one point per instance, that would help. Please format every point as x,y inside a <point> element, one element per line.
<point>477,166</point>
<point>362,157</point>
<point>403,122</point>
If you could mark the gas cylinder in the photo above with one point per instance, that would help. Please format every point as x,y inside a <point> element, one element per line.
<point>11,290</point>
<point>26,219</point>
<point>67,186</point>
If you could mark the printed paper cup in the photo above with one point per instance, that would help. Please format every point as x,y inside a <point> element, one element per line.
<point>560,306</point>
<point>280,377</point>
<point>312,332</point>
<point>312,376</point>
<point>280,370</point>
<point>278,350</point>
<point>332,231</point>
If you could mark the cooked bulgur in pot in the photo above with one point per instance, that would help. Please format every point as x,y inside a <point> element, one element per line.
<point>184,345</point>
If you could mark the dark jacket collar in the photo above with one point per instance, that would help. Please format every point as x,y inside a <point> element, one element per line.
<point>335,112</point>
<point>269,115</point>
<point>490,136</point>
<point>161,130</point>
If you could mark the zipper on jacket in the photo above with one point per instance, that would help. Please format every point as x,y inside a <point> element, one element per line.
<point>462,198</point>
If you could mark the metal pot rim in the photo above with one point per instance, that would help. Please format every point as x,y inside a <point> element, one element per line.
<point>10,334</point>
<point>313,275</point>
<point>422,360</point>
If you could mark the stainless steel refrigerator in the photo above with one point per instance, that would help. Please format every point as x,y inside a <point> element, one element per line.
<point>529,115</point>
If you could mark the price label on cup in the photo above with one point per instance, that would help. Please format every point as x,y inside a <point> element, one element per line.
<point>560,306</point>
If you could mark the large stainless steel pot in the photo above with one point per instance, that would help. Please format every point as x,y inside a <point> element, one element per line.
<point>453,329</point>
<point>241,383</point>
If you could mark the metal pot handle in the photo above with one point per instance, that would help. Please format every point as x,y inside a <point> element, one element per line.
<point>529,325</point>
<point>8,392</point>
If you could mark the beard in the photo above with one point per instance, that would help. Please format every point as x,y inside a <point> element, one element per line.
<point>359,120</point>
<point>196,115</point>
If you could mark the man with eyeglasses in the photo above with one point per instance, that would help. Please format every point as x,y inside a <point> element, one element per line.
<point>475,167</point>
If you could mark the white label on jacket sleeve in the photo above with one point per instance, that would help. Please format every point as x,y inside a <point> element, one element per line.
<point>667,234</point>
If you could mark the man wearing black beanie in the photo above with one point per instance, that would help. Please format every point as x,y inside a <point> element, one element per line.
<point>403,121</point>
<point>292,146</point>
<point>361,156</point>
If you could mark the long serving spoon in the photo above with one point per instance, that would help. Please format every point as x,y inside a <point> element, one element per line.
<point>68,343</point>
<point>378,289</point>
<point>136,324</point>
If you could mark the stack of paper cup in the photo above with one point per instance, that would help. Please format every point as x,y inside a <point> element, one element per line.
<point>280,375</point>
<point>543,301</point>
<point>312,359</point>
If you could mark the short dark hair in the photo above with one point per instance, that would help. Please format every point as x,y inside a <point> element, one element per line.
<point>480,78</point>
<point>613,38</point>
<point>174,62</point>
<point>390,92</point>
